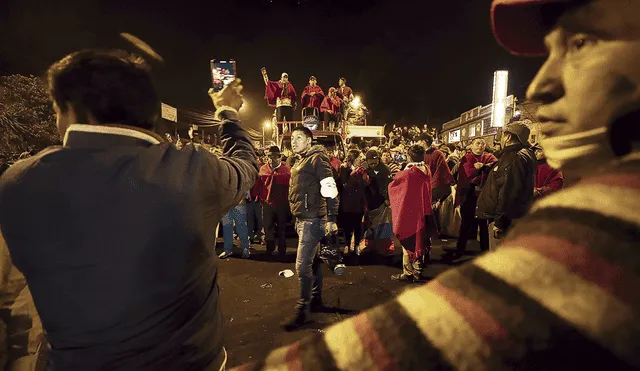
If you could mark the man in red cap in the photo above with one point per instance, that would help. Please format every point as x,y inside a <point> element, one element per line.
<point>563,289</point>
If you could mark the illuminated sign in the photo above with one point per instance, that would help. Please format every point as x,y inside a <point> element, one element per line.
<point>454,136</point>
<point>500,85</point>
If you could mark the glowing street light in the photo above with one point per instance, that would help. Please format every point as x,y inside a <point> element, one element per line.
<point>265,126</point>
<point>357,102</point>
<point>500,84</point>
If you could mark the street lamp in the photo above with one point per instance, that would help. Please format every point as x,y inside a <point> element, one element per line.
<point>265,126</point>
<point>357,102</point>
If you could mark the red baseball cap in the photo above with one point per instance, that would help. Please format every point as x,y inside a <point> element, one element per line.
<point>519,25</point>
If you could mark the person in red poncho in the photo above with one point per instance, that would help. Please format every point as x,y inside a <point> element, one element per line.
<point>472,175</point>
<point>441,178</point>
<point>312,95</point>
<point>274,178</point>
<point>281,95</point>
<point>331,109</point>
<point>548,179</point>
<point>412,215</point>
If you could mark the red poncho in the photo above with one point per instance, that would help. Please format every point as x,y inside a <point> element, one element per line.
<point>275,184</point>
<point>312,101</point>
<point>547,180</point>
<point>437,164</point>
<point>469,176</point>
<point>410,198</point>
<point>331,104</point>
<point>275,90</point>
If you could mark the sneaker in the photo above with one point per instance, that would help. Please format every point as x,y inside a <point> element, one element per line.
<point>402,278</point>
<point>300,318</point>
<point>246,253</point>
<point>316,305</point>
<point>225,255</point>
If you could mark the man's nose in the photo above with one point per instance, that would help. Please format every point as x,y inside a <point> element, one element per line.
<point>547,86</point>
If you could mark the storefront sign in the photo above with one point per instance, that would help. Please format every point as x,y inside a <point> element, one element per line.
<point>454,136</point>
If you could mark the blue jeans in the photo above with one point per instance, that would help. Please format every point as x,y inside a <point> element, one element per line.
<point>308,264</point>
<point>237,215</point>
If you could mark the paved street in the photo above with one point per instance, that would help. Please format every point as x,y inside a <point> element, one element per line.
<point>255,300</point>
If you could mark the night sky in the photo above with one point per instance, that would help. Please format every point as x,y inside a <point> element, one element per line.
<point>412,62</point>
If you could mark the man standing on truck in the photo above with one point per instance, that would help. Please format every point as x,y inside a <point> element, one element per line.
<point>312,96</point>
<point>331,109</point>
<point>282,95</point>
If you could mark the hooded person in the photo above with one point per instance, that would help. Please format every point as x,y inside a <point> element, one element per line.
<point>412,215</point>
<point>312,95</point>
<point>281,95</point>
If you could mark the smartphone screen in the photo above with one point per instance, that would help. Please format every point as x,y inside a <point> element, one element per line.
<point>222,73</point>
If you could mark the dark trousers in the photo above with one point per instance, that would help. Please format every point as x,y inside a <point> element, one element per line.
<point>329,118</point>
<point>275,223</point>
<point>254,220</point>
<point>351,224</point>
<point>470,224</point>
<point>284,113</point>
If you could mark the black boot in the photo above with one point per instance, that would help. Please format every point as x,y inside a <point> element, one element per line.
<point>300,318</point>
<point>316,305</point>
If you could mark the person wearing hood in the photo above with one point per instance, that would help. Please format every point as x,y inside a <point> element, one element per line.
<point>313,199</point>
<point>508,191</point>
<point>281,95</point>
<point>330,108</point>
<point>312,95</point>
<point>548,179</point>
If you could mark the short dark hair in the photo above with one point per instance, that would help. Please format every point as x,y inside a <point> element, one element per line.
<point>416,153</point>
<point>306,131</point>
<point>274,149</point>
<point>343,79</point>
<point>112,86</point>
<point>427,138</point>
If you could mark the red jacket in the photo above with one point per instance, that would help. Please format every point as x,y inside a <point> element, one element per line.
<point>440,174</point>
<point>312,101</point>
<point>275,90</point>
<point>330,104</point>
<point>344,92</point>
<point>335,163</point>
<point>469,176</point>
<point>274,185</point>
<point>547,180</point>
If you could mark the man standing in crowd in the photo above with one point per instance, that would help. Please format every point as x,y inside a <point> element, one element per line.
<point>548,179</point>
<point>562,292</point>
<point>441,178</point>
<point>331,109</point>
<point>413,224</point>
<point>274,179</point>
<point>122,269</point>
<point>312,95</point>
<point>313,197</point>
<point>254,212</point>
<point>472,174</point>
<point>353,180</point>
<point>508,191</point>
<point>378,220</point>
<point>281,95</point>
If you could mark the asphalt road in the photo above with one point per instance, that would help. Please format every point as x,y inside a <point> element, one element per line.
<point>256,300</point>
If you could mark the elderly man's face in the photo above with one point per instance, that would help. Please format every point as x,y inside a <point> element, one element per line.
<point>592,74</point>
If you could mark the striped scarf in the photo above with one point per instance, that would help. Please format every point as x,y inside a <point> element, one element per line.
<point>561,292</point>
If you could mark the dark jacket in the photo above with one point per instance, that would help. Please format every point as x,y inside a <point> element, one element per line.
<point>508,191</point>
<point>352,184</point>
<point>123,268</point>
<point>305,199</point>
<point>377,192</point>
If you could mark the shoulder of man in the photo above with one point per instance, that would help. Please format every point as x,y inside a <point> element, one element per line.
<point>15,171</point>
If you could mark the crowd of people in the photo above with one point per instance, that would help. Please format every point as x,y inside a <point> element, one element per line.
<point>114,230</point>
